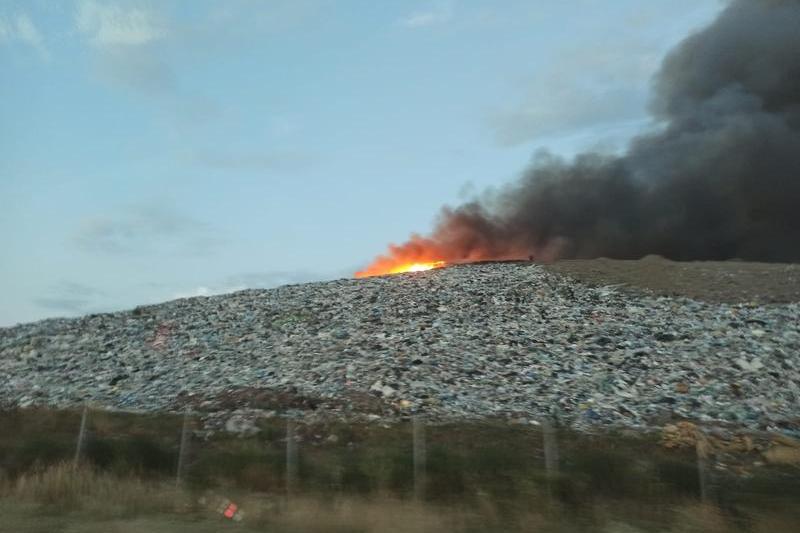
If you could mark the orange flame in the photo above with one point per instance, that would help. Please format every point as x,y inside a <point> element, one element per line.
<point>381,268</point>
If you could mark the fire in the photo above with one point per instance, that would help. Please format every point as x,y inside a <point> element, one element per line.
<point>419,267</point>
<point>381,268</point>
<point>418,254</point>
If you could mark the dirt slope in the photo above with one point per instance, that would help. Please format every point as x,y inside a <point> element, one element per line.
<point>711,281</point>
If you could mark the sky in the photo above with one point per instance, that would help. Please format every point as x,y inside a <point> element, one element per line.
<point>151,150</point>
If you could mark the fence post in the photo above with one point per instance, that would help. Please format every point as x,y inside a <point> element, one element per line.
<point>551,458</point>
<point>550,449</point>
<point>81,436</point>
<point>184,446</point>
<point>291,457</point>
<point>420,458</point>
<point>702,448</point>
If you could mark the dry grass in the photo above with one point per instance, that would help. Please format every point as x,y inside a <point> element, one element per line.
<point>86,489</point>
<point>64,499</point>
<point>701,518</point>
<point>353,514</point>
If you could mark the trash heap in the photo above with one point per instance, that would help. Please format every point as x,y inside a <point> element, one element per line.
<point>509,340</point>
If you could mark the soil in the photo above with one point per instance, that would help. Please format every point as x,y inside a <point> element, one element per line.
<point>712,281</point>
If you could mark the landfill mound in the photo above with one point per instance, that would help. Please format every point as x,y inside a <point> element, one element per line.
<point>510,340</point>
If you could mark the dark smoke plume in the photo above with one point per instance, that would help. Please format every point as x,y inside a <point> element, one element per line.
<point>720,179</point>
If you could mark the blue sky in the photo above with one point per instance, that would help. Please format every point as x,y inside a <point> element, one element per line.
<point>153,150</point>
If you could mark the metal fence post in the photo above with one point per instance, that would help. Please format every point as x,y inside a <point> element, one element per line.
<point>81,436</point>
<point>550,442</point>
<point>420,458</point>
<point>184,446</point>
<point>291,457</point>
<point>550,449</point>
<point>702,448</point>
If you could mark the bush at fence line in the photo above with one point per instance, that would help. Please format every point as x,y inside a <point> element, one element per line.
<point>138,454</point>
<point>36,452</point>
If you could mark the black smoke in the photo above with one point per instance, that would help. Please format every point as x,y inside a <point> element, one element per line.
<point>719,179</point>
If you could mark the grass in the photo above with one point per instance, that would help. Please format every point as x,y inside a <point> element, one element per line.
<point>62,498</point>
<point>479,477</point>
<point>65,486</point>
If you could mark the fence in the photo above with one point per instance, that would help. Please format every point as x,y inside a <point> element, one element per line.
<point>419,459</point>
<point>418,440</point>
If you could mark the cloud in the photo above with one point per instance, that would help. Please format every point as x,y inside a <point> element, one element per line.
<point>21,29</point>
<point>561,108</point>
<point>250,280</point>
<point>426,18</point>
<point>265,280</point>
<point>70,297</point>
<point>286,161</point>
<point>127,41</point>
<point>137,68</point>
<point>579,90</point>
<point>238,19</point>
<point>70,305</point>
<point>442,12</point>
<point>78,289</point>
<point>113,25</point>
<point>143,229</point>
<point>195,292</point>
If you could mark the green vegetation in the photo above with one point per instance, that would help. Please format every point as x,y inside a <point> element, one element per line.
<point>481,477</point>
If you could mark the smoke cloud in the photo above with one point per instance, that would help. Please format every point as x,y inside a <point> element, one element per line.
<point>719,179</point>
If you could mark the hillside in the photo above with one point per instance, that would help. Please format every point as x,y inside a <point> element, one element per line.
<point>471,341</point>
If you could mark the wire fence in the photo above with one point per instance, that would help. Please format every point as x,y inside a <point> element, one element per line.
<point>292,447</point>
<point>419,458</point>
